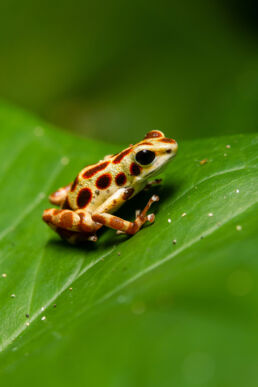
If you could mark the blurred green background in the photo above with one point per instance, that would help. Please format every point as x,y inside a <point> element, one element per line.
<point>116,69</point>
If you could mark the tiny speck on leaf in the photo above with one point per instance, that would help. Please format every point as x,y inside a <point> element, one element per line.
<point>138,308</point>
<point>183,214</point>
<point>27,323</point>
<point>42,195</point>
<point>4,275</point>
<point>65,160</point>
<point>13,295</point>
<point>119,253</point>
<point>38,131</point>
<point>27,315</point>
<point>121,299</point>
<point>210,214</point>
<point>54,306</point>
<point>70,289</point>
<point>228,146</point>
<point>174,242</point>
<point>169,220</point>
<point>237,190</point>
<point>240,283</point>
<point>43,318</point>
<point>239,227</point>
<point>203,162</point>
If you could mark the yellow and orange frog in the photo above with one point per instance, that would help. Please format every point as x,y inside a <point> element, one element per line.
<point>99,190</point>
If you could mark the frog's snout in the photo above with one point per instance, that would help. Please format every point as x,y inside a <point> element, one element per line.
<point>174,147</point>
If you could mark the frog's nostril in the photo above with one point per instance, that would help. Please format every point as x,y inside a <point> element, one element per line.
<point>169,151</point>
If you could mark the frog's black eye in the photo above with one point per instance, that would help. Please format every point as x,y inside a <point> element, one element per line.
<point>145,157</point>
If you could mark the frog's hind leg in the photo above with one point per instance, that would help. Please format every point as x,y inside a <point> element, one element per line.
<point>65,219</point>
<point>71,225</point>
<point>73,237</point>
<point>58,197</point>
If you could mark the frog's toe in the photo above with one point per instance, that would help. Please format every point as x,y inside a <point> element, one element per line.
<point>151,218</point>
<point>93,238</point>
<point>155,198</point>
<point>119,232</point>
<point>137,213</point>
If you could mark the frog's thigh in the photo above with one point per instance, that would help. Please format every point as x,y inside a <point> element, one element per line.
<point>79,221</point>
<point>65,219</point>
<point>58,197</point>
<point>102,216</point>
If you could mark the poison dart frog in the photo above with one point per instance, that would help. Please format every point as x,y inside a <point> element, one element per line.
<point>99,190</point>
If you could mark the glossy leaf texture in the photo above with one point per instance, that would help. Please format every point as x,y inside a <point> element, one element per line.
<point>174,305</point>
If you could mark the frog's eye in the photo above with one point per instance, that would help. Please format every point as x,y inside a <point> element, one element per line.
<point>145,157</point>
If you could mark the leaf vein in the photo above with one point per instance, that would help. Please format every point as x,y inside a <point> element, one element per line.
<point>32,205</point>
<point>76,275</point>
<point>168,258</point>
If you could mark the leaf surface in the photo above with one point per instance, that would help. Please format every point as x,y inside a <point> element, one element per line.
<point>176,303</point>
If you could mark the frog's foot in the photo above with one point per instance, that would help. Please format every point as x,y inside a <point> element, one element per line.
<point>142,217</point>
<point>73,237</point>
<point>152,183</point>
<point>137,214</point>
<point>123,226</point>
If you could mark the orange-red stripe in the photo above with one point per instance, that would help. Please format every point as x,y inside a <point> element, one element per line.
<point>92,171</point>
<point>121,155</point>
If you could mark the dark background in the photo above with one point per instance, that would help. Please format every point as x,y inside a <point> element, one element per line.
<point>114,70</point>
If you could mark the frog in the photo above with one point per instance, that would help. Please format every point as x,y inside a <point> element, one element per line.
<point>99,190</point>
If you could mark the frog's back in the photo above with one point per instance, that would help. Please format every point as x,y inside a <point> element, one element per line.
<point>95,183</point>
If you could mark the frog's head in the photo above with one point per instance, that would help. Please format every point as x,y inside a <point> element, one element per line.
<point>153,153</point>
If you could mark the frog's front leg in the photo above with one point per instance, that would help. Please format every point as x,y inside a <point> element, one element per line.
<point>58,197</point>
<point>102,215</point>
<point>152,183</point>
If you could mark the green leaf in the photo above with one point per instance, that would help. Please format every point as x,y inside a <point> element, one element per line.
<point>173,305</point>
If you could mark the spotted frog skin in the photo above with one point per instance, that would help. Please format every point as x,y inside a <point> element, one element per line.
<point>99,190</point>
